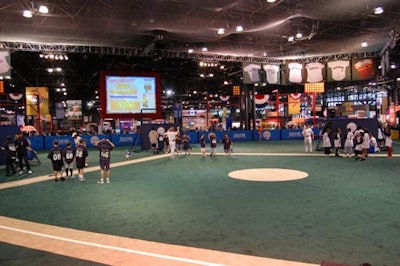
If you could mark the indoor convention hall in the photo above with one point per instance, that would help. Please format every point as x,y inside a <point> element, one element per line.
<point>212,132</point>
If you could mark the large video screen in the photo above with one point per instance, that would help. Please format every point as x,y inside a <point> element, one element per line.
<point>130,94</point>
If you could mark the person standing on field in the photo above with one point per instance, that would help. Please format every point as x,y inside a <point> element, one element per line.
<point>308,136</point>
<point>105,146</point>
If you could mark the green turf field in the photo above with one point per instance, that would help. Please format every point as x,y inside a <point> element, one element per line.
<point>344,211</point>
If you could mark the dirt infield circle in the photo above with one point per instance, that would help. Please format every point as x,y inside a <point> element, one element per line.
<point>268,174</point>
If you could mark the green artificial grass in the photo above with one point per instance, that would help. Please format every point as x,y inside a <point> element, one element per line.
<point>344,211</point>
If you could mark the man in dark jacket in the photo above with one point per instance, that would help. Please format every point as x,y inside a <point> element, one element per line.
<point>22,144</point>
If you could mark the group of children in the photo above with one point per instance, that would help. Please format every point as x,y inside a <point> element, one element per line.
<point>213,144</point>
<point>173,143</point>
<point>79,154</point>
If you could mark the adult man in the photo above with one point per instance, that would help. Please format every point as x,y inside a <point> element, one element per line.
<point>22,145</point>
<point>76,138</point>
<point>153,138</point>
<point>171,133</point>
<point>308,135</point>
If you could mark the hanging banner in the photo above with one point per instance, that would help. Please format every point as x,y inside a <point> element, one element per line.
<point>74,110</point>
<point>37,101</point>
<point>363,69</point>
<point>294,103</point>
<point>60,111</point>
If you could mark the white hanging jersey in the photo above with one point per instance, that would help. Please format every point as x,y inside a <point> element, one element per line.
<point>272,73</point>
<point>253,71</point>
<point>338,69</point>
<point>314,72</point>
<point>4,66</point>
<point>295,72</point>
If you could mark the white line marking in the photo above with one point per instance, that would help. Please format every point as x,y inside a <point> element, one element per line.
<point>149,254</point>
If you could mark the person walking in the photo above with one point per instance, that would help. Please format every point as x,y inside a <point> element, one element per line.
<point>213,144</point>
<point>11,154</point>
<point>308,136</point>
<point>153,138</point>
<point>105,146</point>
<point>171,133</point>
<point>358,144</point>
<point>337,141</point>
<point>388,142</point>
<point>81,154</point>
<point>56,157</point>
<point>366,144</point>
<point>22,146</point>
<point>374,147</point>
<point>227,144</point>
<point>203,145</point>
<point>349,143</point>
<point>326,141</point>
<point>69,157</point>
<point>186,144</point>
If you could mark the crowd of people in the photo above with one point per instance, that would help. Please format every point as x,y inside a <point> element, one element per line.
<point>359,142</point>
<point>16,152</point>
<point>174,142</point>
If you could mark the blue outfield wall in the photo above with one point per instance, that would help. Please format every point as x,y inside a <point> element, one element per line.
<point>134,140</point>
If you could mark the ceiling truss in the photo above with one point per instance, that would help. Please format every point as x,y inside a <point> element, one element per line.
<point>126,51</point>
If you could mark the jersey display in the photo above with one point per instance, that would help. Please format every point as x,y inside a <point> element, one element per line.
<point>251,73</point>
<point>272,73</point>
<point>314,72</point>
<point>295,72</point>
<point>339,70</point>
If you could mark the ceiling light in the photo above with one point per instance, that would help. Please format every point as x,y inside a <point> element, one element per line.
<point>271,1</point>
<point>43,9</point>
<point>378,10</point>
<point>364,44</point>
<point>27,14</point>
<point>299,35</point>
<point>204,49</point>
<point>33,11</point>
<point>190,51</point>
<point>291,39</point>
<point>221,31</point>
<point>239,28</point>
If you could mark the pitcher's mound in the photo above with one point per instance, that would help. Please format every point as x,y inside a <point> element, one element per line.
<point>268,174</point>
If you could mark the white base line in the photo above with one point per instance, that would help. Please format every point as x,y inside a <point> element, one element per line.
<point>149,254</point>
